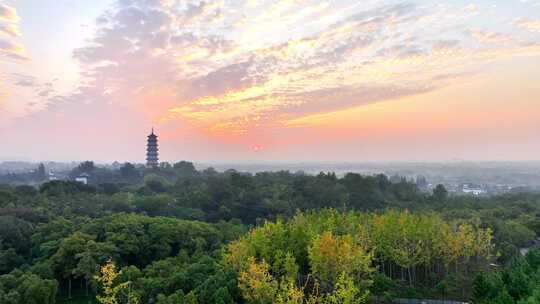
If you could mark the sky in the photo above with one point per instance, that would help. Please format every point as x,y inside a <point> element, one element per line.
<point>270,80</point>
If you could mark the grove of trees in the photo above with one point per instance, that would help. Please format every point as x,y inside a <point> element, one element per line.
<point>177,235</point>
<point>320,252</point>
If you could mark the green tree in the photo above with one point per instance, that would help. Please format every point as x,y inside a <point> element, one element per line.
<point>25,288</point>
<point>65,261</point>
<point>346,292</point>
<point>129,172</point>
<point>440,193</point>
<point>89,261</point>
<point>184,169</point>
<point>485,288</point>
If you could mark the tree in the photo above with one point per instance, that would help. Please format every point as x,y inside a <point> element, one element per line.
<point>129,172</point>
<point>175,298</point>
<point>155,183</point>
<point>25,288</point>
<point>25,190</point>
<point>346,292</point>
<point>440,193</point>
<point>114,293</point>
<point>503,298</point>
<point>62,188</point>
<point>257,284</point>
<point>277,261</point>
<point>331,257</point>
<point>9,260</point>
<point>185,169</point>
<point>89,261</point>
<point>518,282</point>
<point>65,261</point>
<point>153,204</point>
<point>533,299</point>
<point>86,167</point>
<point>6,198</point>
<point>484,289</point>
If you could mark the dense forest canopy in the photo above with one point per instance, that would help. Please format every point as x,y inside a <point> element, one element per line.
<point>174,234</point>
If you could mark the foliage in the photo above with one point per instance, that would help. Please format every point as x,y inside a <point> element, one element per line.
<point>518,283</point>
<point>180,235</point>
<point>348,246</point>
<point>113,293</point>
<point>26,288</point>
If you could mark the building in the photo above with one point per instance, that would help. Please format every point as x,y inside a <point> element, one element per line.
<point>473,189</point>
<point>52,176</point>
<point>152,158</point>
<point>83,178</point>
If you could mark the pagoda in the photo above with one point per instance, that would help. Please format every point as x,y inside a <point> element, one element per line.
<point>152,159</point>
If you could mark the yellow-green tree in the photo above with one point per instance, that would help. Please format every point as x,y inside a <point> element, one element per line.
<point>331,256</point>
<point>257,284</point>
<point>114,293</point>
<point>314,256</point>
<point>346,292</point>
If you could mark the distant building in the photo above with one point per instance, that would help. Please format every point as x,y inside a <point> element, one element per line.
<point>83,179</point>
<point>474,190</point>
<point>422,184</point>
<point>52,176</point>
<point>152,157</point>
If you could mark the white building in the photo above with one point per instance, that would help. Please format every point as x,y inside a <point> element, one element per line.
<point>474,191</point>
<point>83,179</point>
<point>52,176</point>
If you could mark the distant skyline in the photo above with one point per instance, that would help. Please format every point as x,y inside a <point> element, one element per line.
<point>289,80</point>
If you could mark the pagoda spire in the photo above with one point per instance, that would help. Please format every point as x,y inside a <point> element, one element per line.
<point>152,155</point>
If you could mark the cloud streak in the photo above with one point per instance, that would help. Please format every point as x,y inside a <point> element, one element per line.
<point>12,50</point>
<point>10,30</point>
<point>528,24</point>
<point>8,48</point>
<point>488,37</point>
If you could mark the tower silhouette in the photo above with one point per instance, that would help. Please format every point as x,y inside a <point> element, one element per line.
<point>152,157</point>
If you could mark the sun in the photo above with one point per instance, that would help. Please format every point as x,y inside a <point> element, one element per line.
<point>257,148</point>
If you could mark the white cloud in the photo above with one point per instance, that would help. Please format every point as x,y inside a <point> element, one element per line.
<point>472,9</point>
<point>532,2</point>
<point>488,37</point>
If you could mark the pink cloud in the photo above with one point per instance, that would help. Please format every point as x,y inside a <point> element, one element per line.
<point>8,14</point>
